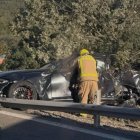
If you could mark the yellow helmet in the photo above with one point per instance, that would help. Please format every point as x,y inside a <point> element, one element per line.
<point>84,51</point>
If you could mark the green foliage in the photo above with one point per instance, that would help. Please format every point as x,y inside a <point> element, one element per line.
<point>110,27</point>
<point>8,8</point>
<point>52,29</point>
<point>20,58</point>
<point>3,47</point>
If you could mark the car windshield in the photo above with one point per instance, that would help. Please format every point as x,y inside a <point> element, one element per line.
<point>62,65</point>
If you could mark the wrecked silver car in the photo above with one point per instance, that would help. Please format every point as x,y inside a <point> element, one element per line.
<point>55,81</point>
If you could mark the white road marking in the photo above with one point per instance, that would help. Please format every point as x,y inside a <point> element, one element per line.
<point>78,129</point>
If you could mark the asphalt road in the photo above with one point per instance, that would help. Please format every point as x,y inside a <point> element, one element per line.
<point>19,126</point>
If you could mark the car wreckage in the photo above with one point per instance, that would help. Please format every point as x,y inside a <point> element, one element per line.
<point>55,81</point>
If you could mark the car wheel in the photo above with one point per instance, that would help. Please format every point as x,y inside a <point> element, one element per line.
<point>23,90</point>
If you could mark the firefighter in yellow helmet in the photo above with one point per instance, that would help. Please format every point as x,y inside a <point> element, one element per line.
<point>88,77</point>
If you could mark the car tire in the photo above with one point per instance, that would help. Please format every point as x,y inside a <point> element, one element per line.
<point>23,90</point>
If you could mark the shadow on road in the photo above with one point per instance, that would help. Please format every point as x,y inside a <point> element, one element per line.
<point>53,127</point>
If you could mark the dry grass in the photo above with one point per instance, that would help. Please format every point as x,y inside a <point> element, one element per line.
<point>105,121</point>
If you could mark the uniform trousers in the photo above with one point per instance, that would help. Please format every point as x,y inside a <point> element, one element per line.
<point>87,91</point>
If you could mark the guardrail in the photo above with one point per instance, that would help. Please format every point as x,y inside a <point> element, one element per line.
<point>96,110</point>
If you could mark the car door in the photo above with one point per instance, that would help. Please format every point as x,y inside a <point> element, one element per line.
<point>60,79</point>
<point>60,86</point>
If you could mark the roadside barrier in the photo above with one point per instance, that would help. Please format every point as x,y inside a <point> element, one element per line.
<point>96,110</point>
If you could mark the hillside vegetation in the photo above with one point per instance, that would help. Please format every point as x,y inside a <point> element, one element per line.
<point>47,30</point>
<point>8,9</point>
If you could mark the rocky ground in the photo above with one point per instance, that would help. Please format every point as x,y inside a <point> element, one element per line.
<point>105,121</point>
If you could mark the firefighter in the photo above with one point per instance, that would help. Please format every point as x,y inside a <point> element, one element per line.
<point>88,78</point>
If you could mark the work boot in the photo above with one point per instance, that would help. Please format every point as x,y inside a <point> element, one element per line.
<point>83,115</point>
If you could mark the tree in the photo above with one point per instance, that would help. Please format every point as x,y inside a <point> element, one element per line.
<point>52,29</point>
<point>3,47</point>
<point>110,26</point>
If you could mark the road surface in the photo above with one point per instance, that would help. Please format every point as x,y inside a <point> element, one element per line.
<point>19,126</point>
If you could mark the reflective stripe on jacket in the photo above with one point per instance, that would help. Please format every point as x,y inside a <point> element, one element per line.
<point>87,68</point>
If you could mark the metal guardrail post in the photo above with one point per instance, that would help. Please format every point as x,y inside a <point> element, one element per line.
<point>97,116</point>
<point>96,120</point>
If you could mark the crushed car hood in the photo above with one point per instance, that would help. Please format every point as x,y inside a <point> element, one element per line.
<point>18,75</point>
<point>19,71</point>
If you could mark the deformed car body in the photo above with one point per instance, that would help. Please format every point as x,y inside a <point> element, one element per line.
<point>49,82</point>
<point>55,81</point>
